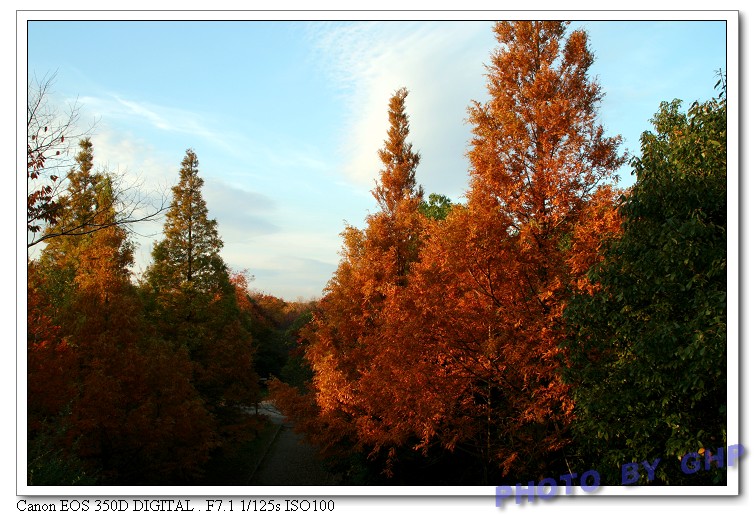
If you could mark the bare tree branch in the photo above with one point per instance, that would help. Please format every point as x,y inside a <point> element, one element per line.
<point>129,205</point>
<point>51,135</point>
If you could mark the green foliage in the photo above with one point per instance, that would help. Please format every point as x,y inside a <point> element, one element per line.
<point>271,352</point>
<point>269,340</point>
<point>192,303</point>
<point>187,271</point>
<point>648,350</point>
<point>188,257</point>
<point>298,372</point>
<point>437,207</point>
<point>49,465</point>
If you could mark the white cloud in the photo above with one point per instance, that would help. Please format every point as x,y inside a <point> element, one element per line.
<point>242,214</point>
<point>143,116</point>
<point>287,264</point>
<point>139,110</point>
<point>442,65</point>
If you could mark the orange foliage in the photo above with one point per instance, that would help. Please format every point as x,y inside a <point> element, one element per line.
<point>451,336</point>
<point>493,280</point>
<point>112,394</point>
<point>340,412</point>
<point>138,418</point>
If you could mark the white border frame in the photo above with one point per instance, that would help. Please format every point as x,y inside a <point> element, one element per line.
<point>733,294</point>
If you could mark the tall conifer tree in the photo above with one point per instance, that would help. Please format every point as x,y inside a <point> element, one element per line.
<point>188,256</point>
<point>346,333</point>
<point>193,301</point>
<point>60,258</point>
<point>493,278</point>
<point>129,411</point>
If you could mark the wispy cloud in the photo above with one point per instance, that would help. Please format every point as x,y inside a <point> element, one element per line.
<point>141,115</point>
<point>442,65</point>
<point>241,214</point>
<point>256,209</point>
<point>141,110</point>
<point>115,106</point>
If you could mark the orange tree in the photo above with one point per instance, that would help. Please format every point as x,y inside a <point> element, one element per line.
<point>483,311</point>
<point>109,396</point>
<point>443,330</point>
<point>345,337</point>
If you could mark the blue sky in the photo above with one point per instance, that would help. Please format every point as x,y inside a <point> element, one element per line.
<point>286,117</point>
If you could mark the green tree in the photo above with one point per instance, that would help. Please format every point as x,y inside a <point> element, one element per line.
<point>193,303</point>
<point>187,271</point>
<point>102,390</point>
<point>436,207</point>
<point>189,253</point>
<point>648,350</point>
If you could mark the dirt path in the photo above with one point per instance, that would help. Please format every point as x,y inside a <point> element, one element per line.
<point>290,460</point>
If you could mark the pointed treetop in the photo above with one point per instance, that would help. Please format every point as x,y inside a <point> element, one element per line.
<point>397,178</point>
<point>78,209</point>
<point>538,149</point>
<point>80,198</point>
<point>189,252</point>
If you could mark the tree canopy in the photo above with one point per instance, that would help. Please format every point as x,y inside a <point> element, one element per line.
<point>648,349</point>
